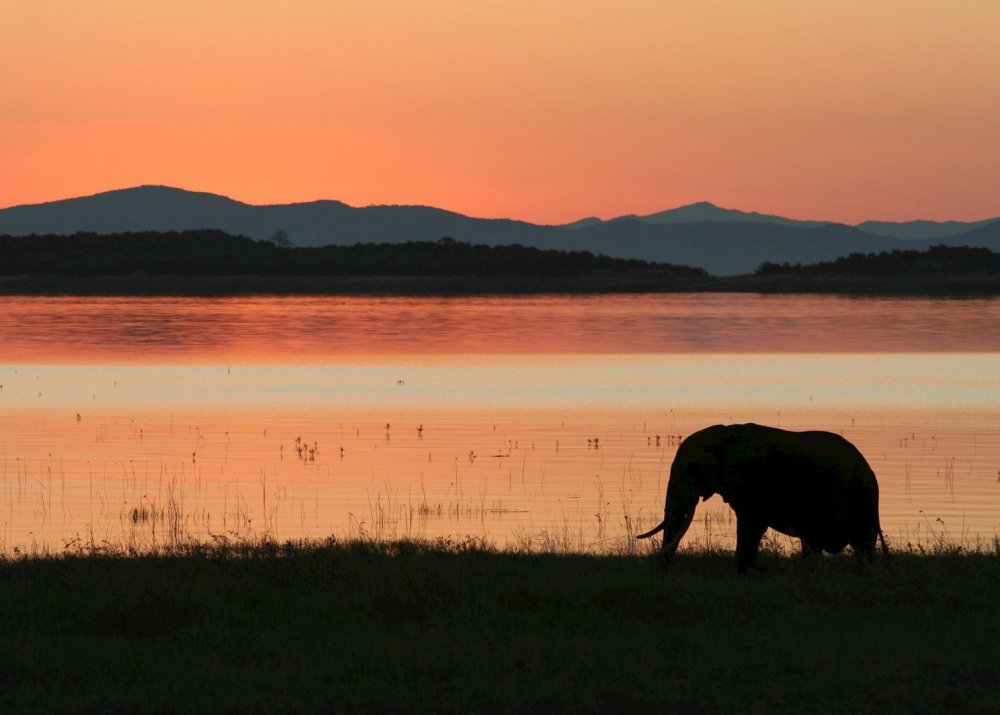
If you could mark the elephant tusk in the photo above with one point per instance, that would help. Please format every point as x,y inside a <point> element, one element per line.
<point>670,546</point>
<point>655,530</point>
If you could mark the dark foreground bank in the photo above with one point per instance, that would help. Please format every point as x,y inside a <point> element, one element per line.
<point>457,628</point>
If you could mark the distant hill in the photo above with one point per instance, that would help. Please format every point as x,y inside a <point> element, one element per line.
<point>725,248</point>
<point>697,213</point>
<point>317,223</point>
<point>582,223</point>
<point>922,229</point>
<point>702,235</point>
<point>705,211</point>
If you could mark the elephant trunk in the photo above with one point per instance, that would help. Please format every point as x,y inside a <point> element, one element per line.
<point>678,511</point>
<point>673,529</point>
<point>672,536</point>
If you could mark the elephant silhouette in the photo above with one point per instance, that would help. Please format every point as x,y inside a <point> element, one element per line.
<point>815,486</point>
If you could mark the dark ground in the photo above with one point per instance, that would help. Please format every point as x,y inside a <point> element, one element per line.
<point>460,628</point>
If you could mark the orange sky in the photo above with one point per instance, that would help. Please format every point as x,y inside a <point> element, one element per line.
<point>546,110</point>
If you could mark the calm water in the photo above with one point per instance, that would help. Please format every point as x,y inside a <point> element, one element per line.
<point>541,420</point>
<point>282,331</point>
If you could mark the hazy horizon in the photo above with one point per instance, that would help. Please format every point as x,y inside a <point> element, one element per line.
<point>545,112</point>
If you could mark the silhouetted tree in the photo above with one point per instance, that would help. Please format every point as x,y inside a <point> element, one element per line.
<point>935,261</point>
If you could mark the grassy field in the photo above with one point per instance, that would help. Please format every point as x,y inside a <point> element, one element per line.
<point>461,627</point>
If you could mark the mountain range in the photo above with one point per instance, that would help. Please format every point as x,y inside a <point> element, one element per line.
<point>722,241</point>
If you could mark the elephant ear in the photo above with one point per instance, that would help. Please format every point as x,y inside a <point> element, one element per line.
<point>738,454</point>
<point>704,477</point>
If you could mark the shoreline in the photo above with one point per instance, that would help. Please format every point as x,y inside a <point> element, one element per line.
<point>468,285</point>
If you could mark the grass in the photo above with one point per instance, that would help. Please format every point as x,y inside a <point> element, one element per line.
<point>459,626</point>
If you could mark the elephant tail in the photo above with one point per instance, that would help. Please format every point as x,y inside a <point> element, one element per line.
<point>655,530</point>
<point>881,537</point>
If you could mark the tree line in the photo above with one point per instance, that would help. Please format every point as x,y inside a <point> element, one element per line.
<point>216,253</point>
<point>936,261</point>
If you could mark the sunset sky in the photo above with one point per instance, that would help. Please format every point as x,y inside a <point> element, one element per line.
<point>543,110</point>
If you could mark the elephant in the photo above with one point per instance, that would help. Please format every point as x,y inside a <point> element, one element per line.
<point>813,485</point>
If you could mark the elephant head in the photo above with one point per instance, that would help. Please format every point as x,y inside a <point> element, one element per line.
<point>698,472</point>
<point>812,485</point>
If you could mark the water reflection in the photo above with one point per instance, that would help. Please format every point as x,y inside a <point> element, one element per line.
<point>321,329</point>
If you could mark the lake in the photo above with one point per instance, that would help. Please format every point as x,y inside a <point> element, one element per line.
<point>536,422</point>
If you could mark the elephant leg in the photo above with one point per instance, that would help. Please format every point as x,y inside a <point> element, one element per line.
<point>864,549</point>
<point>812,552</point>
<point>862,540</point>
<point>749,532</point>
